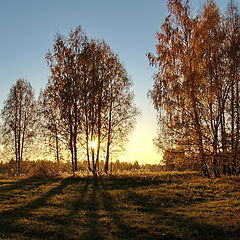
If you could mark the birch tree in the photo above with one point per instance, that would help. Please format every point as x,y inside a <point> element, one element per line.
<point>177,87</point>
<point>109,110</point>
<point>66,81</point>
<point>196,89</point>
<point>93,93</point>
<point>19,118</point>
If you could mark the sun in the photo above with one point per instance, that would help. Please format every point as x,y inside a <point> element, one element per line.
<point>93,144</point>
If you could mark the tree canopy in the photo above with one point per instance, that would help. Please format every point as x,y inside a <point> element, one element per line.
<point>196,88</point>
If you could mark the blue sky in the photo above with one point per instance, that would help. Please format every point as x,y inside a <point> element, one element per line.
<point>27,29</point>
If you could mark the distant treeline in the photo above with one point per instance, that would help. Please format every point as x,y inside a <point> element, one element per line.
<point>46,168</point>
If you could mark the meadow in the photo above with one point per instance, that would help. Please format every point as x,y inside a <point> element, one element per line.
<point>138,206</point>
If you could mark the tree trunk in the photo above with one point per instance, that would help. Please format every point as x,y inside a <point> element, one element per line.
<point>215,166</point>
<point>57,148</point>
<point>75,151</point>
<point>106,165</point>
<point>199,136</point>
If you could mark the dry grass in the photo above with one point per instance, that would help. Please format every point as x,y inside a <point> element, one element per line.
<point>133,206</point>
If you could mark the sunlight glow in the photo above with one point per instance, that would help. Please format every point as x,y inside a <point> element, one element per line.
<point>93,144</point>
<point>140,147</point>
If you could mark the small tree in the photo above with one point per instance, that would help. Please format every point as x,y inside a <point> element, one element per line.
<point>19,118</point>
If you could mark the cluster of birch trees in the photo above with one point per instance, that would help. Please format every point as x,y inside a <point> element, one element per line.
<point>86,108</point>
<point>196,88</point>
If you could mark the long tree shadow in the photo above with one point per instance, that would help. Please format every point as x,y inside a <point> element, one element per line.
<point>122,229</point>
<point>92,207</point>
<point>91,211</point>
<point>122,183</point>
<point>78,204</point>
<point>23,186</point>
<point>9,219</point>
<point>201,231</point>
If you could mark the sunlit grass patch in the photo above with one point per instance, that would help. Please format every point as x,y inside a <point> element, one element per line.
<point>130,207</point>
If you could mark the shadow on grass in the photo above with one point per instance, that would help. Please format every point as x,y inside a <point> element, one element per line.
<point>92,207</point>
<point>81,222</point>
<point>188,228</point>
<point>91,211</point>
<point>79,203</point>
<point>122,183</point>
<point>121,229</point>
<point>9,219</point>
<point>23,185</point>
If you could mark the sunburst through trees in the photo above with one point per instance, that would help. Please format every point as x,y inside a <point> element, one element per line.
<point>92,92</point>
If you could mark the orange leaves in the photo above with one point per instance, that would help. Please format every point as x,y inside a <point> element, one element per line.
<point>198,65</point>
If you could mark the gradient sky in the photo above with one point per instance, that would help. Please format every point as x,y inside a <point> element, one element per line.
<point>28,27</point>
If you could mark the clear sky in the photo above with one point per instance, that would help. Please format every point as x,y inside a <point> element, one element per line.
<point>27,29</point>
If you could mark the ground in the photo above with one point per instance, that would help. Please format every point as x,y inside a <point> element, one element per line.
<point>148,206</point>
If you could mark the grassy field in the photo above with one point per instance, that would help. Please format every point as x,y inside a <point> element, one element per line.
<point>164,206</point>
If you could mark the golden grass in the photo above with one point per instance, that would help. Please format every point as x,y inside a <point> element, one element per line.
<point>130,206</point>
